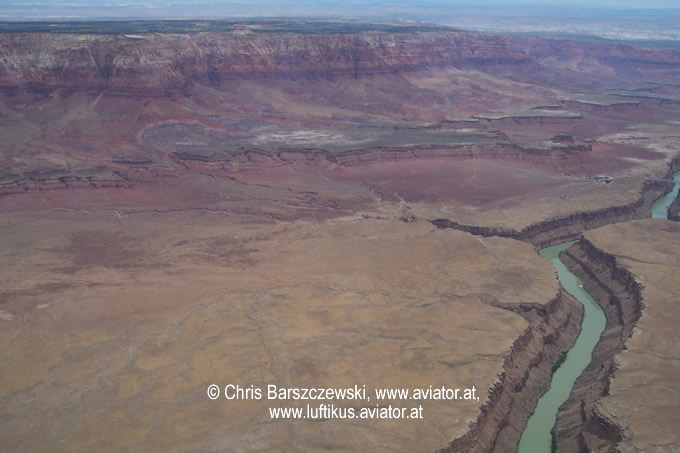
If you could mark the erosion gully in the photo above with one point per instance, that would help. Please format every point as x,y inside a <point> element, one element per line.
<point>538,435</point>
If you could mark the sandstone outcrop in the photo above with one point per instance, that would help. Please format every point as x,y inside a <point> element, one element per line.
<point>570,226</point>
<point>580,426</point>
<point>626,399</point>
<point>160,62</point>
<point>249,159</point>
<point>674,210</point>
<point>527,371</point>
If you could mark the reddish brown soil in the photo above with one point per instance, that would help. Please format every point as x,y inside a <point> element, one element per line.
<point>610,159</point>
<point>65,146</point>
<point>476,182</point>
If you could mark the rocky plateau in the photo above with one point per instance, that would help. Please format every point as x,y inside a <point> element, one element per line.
<point>328,204</point>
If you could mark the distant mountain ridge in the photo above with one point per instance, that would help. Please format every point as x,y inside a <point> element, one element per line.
<point>164,61</point>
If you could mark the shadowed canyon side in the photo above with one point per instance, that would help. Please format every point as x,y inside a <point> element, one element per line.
<point>526,374</point>
<point>314,203</point>
<point>572,226</point>
<point>674,210</point>
<point>579,424</point>
<point>625,397</point>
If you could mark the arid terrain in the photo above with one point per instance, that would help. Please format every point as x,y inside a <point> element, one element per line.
<point>632,268</point>
<point>130,321</point>
<point>323,204</point>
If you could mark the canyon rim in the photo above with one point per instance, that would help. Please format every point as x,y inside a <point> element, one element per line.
<point>319,205</point>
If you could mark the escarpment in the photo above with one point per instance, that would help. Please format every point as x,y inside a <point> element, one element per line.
<point>526,374</point>
<point>62,180</point>
<point>160,62</point>
<point>580,424</point>
<point>625,61</point>
<point>291,128</point>
<point>122,175</point>
<point>571,226</point>
<point>251,158</point>
<point>674,210</point>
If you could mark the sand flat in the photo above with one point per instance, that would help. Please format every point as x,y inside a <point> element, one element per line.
<point>645,392</point>
<point>136,320</point>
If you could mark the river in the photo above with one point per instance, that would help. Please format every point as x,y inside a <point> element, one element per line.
<point>537,437</point>
<point>660,206</point>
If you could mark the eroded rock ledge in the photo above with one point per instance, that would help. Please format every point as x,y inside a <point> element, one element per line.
<point>125,173</point>
<point>570,227</point>
<point>553,328</point>
<point>158,62</point>
<point>580,425</point>
<point>249,159</point>
<point>674,210</point>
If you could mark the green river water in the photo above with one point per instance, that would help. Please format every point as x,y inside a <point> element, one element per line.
<point>537,437</point>
<point>660,206</point>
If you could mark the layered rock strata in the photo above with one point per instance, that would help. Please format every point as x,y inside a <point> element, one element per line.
<point>160,62</point>
<point>628,398</point>
<point>126,174</point>
<point>571,226</point>
<point>553,328</point>
<point>581,426</point>
<point>249,159</point>
<point>674,210</point>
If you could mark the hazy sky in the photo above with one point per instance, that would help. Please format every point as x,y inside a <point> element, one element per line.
<point>634,4</point>
<point>439,11</point>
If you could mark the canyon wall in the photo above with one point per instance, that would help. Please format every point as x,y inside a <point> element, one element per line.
<point>674,210</point>
<point>249,159</point>
<point>570,227</point>
<point>171,61</point>
<point>580,424</point>
<point>158,62</point>
<point>599,59</point>
<point>553,328</point>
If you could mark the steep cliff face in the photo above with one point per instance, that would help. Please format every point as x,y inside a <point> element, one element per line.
<point>527,372</point>
<point>674,210</point>
<point>570,227</point>
<point>580,424</point>
<point>167,61</point>
<point>606,60</point>
<point>252,159</point>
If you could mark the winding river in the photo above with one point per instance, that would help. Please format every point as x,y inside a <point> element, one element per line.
<point>537,437</point>
<point>660,206</point>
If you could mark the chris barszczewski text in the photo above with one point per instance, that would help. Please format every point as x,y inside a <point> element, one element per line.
<point>357,393</point>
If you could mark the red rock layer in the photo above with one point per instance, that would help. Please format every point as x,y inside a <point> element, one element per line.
<point>172,61</point>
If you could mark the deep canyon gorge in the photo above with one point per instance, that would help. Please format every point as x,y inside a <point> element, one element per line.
<point>329,203</point>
